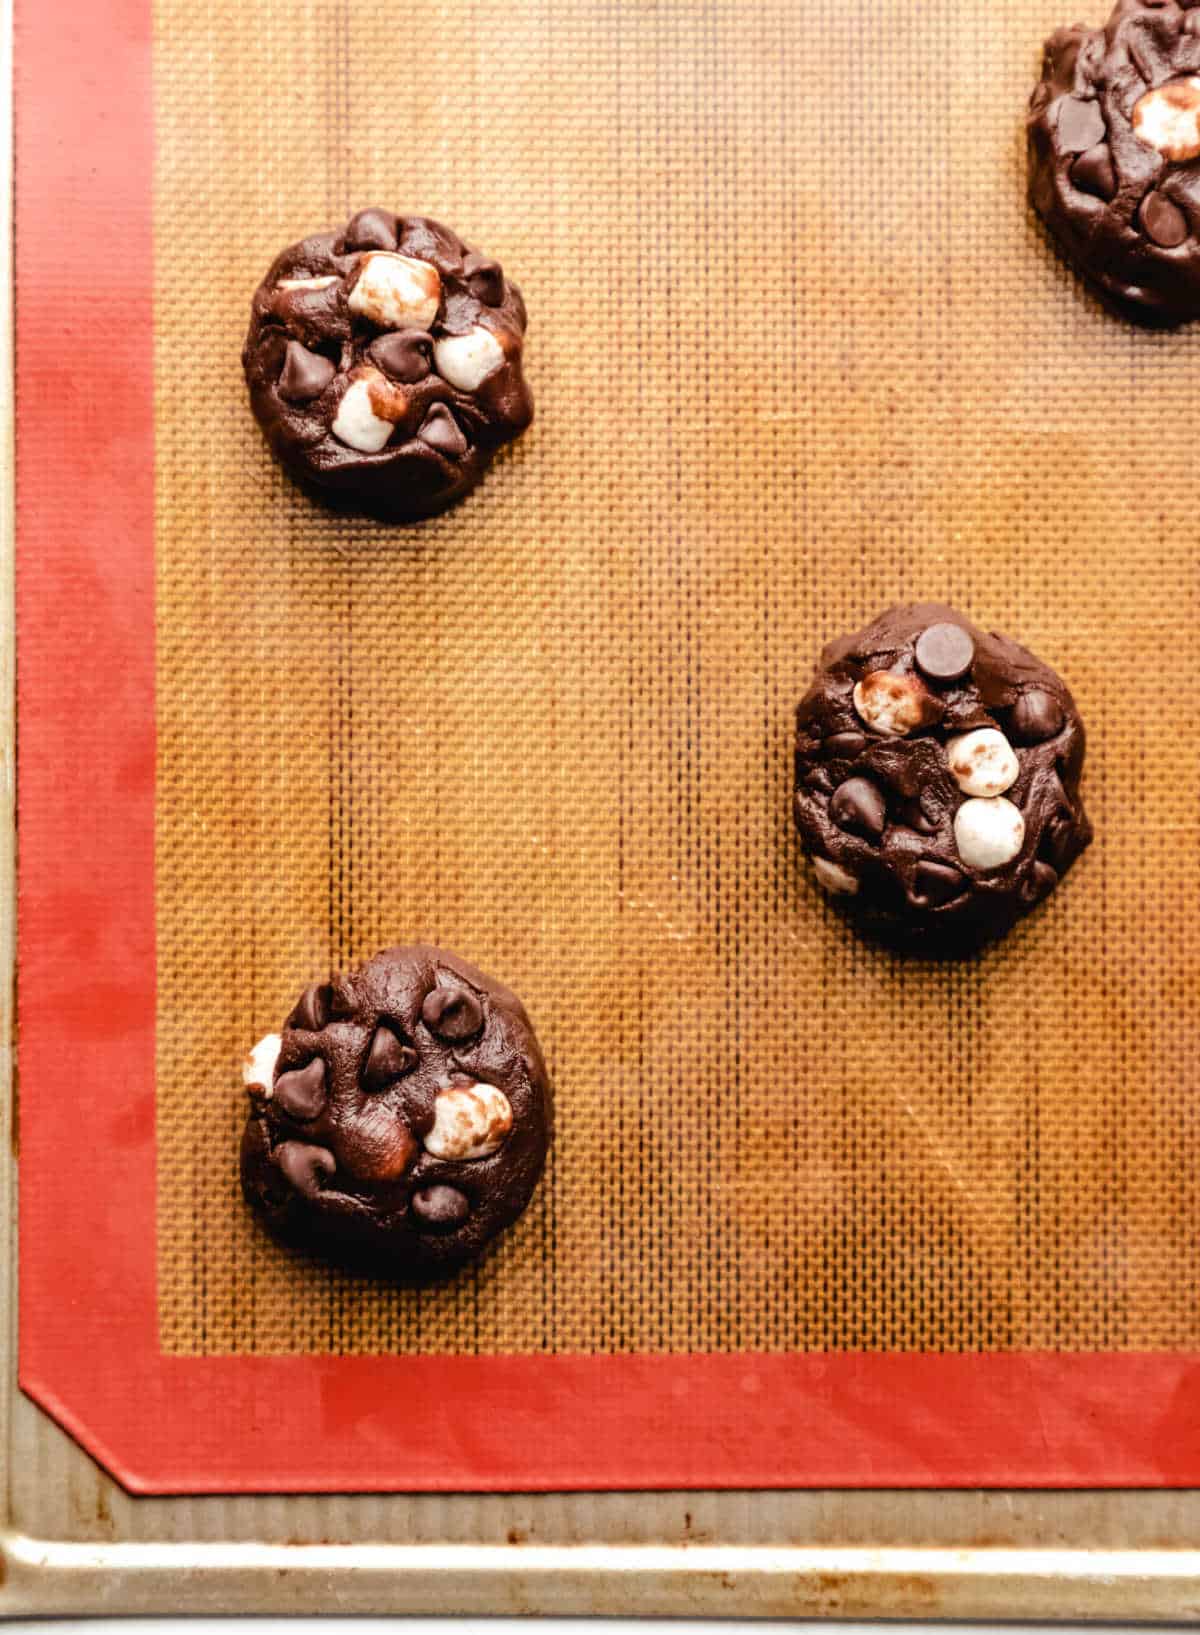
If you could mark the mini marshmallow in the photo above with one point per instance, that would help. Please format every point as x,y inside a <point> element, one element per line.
<point>258,1069</point>
<point>469,1121</point>
<point>893,704</point>
<point>1168,119</point>
<point>836,881</point>
<point>983,762</point>
<point>467,360</point>
<point>356,424</point>
<point>988,833</point>
<point>396,291</point>
<point>306,283</point>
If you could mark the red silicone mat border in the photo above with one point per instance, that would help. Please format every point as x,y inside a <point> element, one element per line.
<point>88,1334</point>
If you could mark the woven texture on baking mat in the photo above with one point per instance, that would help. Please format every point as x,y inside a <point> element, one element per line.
<point>798,352</point>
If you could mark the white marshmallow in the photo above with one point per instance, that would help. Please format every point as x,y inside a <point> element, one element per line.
<point>469,1121</point>
<point>258,1069</point>
<point>467,360</point>
<point>983,762</point>
<point>356,424</point>
<point>1168,119</point>
<point>988,833</point>
<point>307,283</point>
<point>396,291</point>
<point>893,704</point>
<point>836,881</point>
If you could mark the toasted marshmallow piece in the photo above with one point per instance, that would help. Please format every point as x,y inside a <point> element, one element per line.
<point>396,291</point>
<point>1168,119</point>
<point>983,762</point>
<point>307,283</point>
<point>893,704</point>
<point>258,1069</point>
<point>356,424</point>
<point>467,360</point>
<point>988,833</point>
<point>836,881</point>
<point>469,1121</point>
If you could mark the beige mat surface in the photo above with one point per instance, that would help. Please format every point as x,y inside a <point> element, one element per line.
<point>798,352</point>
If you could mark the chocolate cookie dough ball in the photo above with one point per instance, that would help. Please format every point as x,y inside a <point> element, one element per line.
<point>1114,155</point>
<point>384,363</point>
<point>400,1121</point>
<point>937,778</point>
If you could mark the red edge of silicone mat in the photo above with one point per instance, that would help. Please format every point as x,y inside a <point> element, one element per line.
<point>88,1340</point>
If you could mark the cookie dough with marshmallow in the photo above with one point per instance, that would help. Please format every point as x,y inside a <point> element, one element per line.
<point>384,363</point>
<point>1114,155</point>
<point>937,778</point>
<point>401,1118</point>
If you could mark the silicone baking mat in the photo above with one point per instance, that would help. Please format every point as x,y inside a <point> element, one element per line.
<point>799,352</point>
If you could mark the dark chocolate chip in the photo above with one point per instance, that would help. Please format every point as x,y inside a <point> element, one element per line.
<point>819,778</point>
<point>485,279</point>
<point>1163,221</point>
<point>371,229</point>
<point>388,1059</point>
<point>1093,173</point>
<point>916,817</point>
<point>305,374</point>
<point>312,1009</point>
<point>406,354</point>
<point>453,1014</point>
<point>945,651</point>
<point>301,1093</point>
<point>1038,883</point>
<point>1080,125</point>
<point>858,805</point>
<point>441,431</point>
<point>936,883</point>
<point>845,746</point>
<point>440,1206</point>
<point>1036,715</point>
<point>304,1165</point>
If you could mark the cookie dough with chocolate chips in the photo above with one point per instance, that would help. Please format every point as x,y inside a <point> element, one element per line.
<point>1114,155</point>
<point>937,778</point>
<point>401,1118</point>
<point>384,363</point>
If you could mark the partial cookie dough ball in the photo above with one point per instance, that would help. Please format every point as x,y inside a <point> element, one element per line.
<point>937,778</point>
<point>1114,155</point>
<point>401,1118</point>
<point>384,363</point>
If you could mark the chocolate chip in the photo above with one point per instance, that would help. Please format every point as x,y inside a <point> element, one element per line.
<point>819,778</point>
<point>944,651</point>
<point>845,746</point>
<point>441,431</point>
<point>301,1093</point>
<point>1080,125</point>
<point>916,817</point>
<point>304,1165</point>
<point>1163,221</point>
<point>388,1059</point>
<point>305,374</point>
<point>1036,715</point>
<point>312,1009</point>
<point>1093,173</point>
<point>371,229</point>
<point>936,883</point>
<point>406,354</point>
<point>440,1206</point>
<point>453,1014</point>
<point>858,805</point>
<point>485,279</point>
<point>1038,883</point>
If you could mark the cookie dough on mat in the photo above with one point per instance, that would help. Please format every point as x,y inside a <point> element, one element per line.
<point>937,778</point>
<point>401,1119</point>
<point>1114,155</point>
<point>384,363</point>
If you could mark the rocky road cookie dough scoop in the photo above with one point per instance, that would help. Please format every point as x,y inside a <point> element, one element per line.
<point>401,1119</point>
<point>937,778</point>
<point>1114,155</point>
<point>384,363</point>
